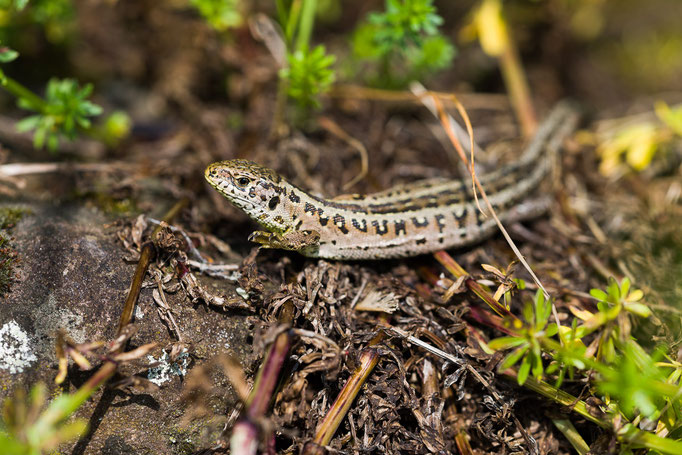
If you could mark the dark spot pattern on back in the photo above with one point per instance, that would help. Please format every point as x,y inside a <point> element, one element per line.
<point>340,223</point>
<point>420,222</point>
<point>293,197</point>
<point>360,227</point>
<point>381,228</point>
<point>480,218</point>
<point>309,208</point>
<point>420,241</point>
<point>399,227</point>
<point>460,214</point>
<point>274,201</point>
<point>439,222</point>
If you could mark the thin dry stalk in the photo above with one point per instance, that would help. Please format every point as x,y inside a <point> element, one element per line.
<point>334,128</point>
<point>325,431</point>
<point>143,264</point>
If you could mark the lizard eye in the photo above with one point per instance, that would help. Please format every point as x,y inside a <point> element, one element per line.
<point>243,181</point>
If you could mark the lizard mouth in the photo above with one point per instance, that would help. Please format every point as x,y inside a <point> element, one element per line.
<point>239,201</point>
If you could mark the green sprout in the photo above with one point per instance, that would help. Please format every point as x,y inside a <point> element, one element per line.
<point>403,40</point>
<point>64,110</point>
<point>309,75</point>
<point>220,14</point>
<point>404,22</point>
<point>615,306</point>
<point>528,342</point>
<point>635,381</point>
<point>571,356</point>
<point>31,428</point>
<point>308,72</point>
<point>617,297</point>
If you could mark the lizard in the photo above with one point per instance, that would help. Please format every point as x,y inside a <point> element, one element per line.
<point>416,218</point>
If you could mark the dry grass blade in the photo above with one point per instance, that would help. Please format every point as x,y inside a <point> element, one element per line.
<point>235,374</point>
<point>325,431</point>
<point>266,30</point>
<point>135,353</point>
<point>17,169</point>
<point>564,129</point>
<point>333,127</point>
<point>488,101</point>
<point>455,132</point>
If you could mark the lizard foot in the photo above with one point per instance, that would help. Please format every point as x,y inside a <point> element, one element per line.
<point>300,241</point>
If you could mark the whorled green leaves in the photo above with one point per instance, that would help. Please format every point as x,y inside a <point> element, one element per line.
<point>66,109</point>
<point>309,73</point>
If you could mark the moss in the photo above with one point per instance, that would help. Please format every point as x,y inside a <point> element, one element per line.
<point>113,206</point>
<point>9,217</point>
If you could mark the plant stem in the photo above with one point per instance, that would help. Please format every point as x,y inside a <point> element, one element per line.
<point>292,21</point>
<point>368,360</point>
<point>560,397</point>
<point>18,90</point>
<point>305,28</point>
<point>146,257</point>
<point>457,271</point>
<point>569,431</point>
<point>519,93</point>
<point>281,11</point>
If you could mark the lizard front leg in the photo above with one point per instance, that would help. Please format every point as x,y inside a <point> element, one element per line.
<point>305,242</point>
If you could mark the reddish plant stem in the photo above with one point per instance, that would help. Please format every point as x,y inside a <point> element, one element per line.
<point>146,256</point>
<point>458,271</point>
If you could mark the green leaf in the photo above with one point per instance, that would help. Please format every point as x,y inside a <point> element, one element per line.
<point>403,40</point>
<point>536,363</point>
<point>528,313</point>
<point>543,309</point>
<point>52,142</point>
<point>624,287</point>
<point>66,110</point>
<point>29,123</point>
<point>671,117</point>
<point>524,369</point>
<point>39,138</point>
<point>7,54</point>
<point>551,330</point>
<point>506,343</point>
<point>10,446</point>
<point>220,14</point>
<point>638,309</point>
<point>71,430</point>
<point>513,357</point>
<point>309,75</point>
<point>598,294</point>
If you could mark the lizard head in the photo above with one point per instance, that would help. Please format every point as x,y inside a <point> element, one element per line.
<point>255,189</point>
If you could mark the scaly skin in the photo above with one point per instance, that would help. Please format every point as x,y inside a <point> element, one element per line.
<point>408,220</point>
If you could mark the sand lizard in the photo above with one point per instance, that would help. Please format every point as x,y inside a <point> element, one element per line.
<point>406,220</point>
